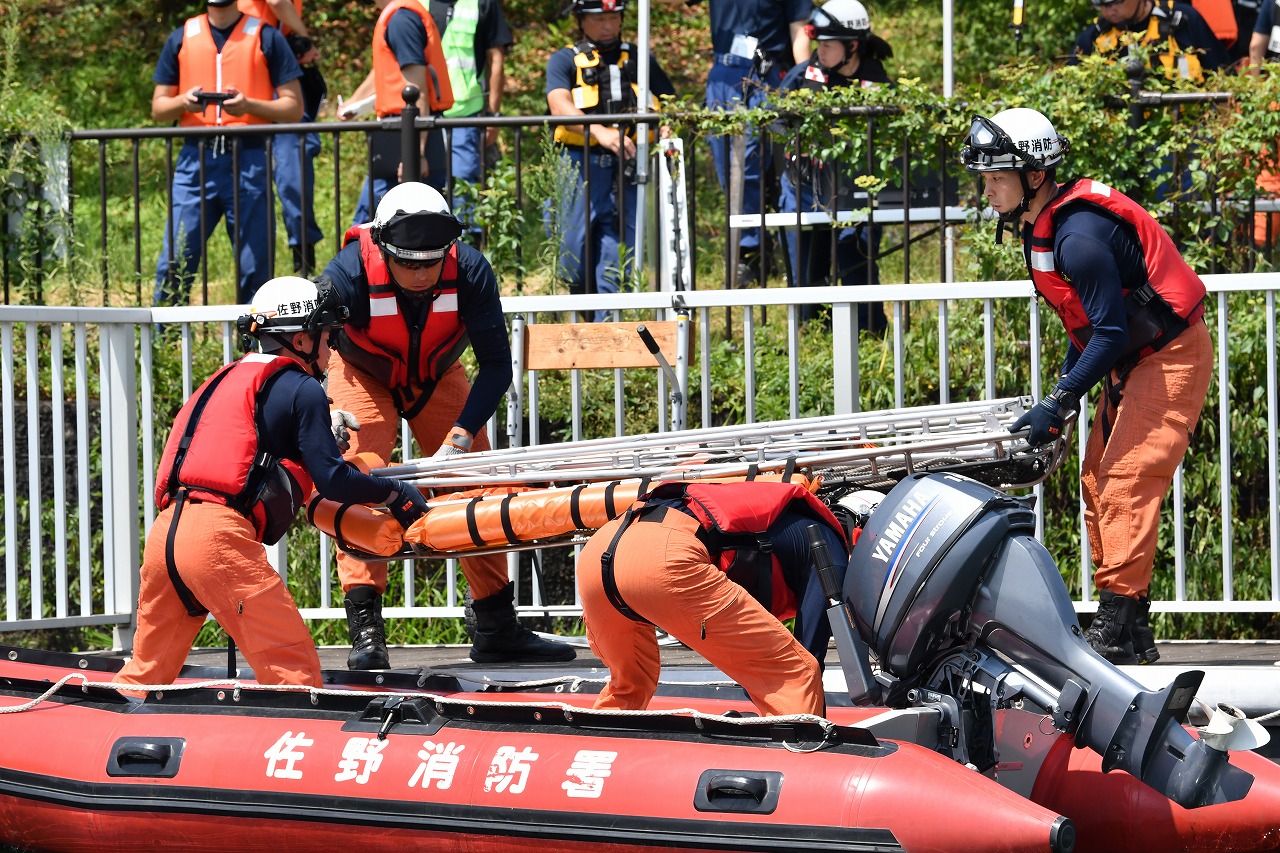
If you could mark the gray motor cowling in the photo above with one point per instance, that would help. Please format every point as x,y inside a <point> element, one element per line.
<point>919,560</point>
<point>948,577</point>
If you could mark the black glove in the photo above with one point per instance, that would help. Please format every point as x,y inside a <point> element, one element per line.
<point>1046,420</point>
<point>407,504</point>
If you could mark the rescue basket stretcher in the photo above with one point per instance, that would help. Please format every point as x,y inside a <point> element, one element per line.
<point>555,494</point>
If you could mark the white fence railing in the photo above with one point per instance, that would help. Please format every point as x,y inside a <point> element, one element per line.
<point>80,430</point>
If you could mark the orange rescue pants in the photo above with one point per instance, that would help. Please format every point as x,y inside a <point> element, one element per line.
<point>1126,478</point>
<point>664,573</point>
<point>371,402</point>
<point>221,561</point>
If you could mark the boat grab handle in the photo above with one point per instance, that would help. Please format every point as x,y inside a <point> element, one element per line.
<point>157,757</point>
<point>738,791</point>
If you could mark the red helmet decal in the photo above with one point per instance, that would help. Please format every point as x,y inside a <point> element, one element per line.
<point>609,5</point>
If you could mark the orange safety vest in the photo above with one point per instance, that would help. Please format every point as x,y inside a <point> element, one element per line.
<point>1174,283</point>
<point>1220,15</point>
<point>388,349</point>
<point>213,449</point>
<point>240,64</point>
<point>387,78</point>
<point>262,9</point>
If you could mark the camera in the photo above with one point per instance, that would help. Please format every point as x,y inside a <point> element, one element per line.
<point>207,98</point>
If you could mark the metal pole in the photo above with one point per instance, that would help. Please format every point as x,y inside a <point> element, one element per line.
<point>642,134</point>
<point>410,150</point>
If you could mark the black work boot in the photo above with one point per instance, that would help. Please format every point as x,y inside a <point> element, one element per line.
<point>1144,639</point>
<point>1110,633</point>
<point>368,633</point>
<point>499,638</point>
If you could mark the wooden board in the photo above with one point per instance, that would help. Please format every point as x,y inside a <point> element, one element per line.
<point>592,346</point>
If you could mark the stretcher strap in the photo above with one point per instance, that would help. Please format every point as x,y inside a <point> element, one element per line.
<point>473,528</point>
<point>504,514</point>
<point>575,507</point>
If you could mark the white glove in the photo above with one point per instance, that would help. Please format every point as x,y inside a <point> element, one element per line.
<point>340,421</point>
<point>458,441</point>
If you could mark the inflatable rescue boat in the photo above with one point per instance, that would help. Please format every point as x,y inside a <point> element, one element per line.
<point>975,720</point>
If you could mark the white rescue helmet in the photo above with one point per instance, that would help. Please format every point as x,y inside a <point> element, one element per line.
<point>1019,139</point>
<point>413,223</point>
<point>839,20</point>
<point>291,304</point>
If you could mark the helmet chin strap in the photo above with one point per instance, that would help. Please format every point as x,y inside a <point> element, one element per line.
<point>1012,216</point>
<point>848,54</point>
<point>310,360</point>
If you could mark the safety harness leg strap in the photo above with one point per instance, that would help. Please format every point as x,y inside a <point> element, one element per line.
<point>185,595</point>
<point>606,571</point>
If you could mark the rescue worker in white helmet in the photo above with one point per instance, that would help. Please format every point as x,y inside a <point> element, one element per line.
<point>1177,33</point>
<point>1134,315</point>
<point>596,75</point>
<point>244,453</point>
<point>847,54</point>
<point>418,297</point>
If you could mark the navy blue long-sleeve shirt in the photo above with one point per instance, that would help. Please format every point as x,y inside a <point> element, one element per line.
<point>296,427</point>
<point>1100,256</point>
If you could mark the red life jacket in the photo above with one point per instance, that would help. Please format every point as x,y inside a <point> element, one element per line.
<point>387,78</point>
<point>734,518</point>
<point>213,454</point>
<point>1157,313</point>
<point>240,64</point>
<point>388,349</point>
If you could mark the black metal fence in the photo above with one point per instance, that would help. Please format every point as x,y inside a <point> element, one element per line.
<point>96,243</point>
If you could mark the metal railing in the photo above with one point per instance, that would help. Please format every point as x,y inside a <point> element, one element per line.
<point>86,397</point>
<point>118,197</point>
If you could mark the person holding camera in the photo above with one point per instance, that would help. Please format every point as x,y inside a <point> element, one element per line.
<point>221,69</point>
<point>243,455</point>
<point>418,298</point>
<point>597,75</point>
<point>293,154</point>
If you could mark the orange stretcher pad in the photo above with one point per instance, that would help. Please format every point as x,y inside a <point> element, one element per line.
<point>489,518</point>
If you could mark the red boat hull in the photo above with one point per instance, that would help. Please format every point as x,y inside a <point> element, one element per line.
<point>261,771</point>
<point>251,770</point>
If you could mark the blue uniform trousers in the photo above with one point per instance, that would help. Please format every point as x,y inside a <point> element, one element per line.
<point>465,146</point>
<point>246,218</point>
<point>731,84</point>
<point>809,254</point>
<point>606,232</point>
<point>291,153</point>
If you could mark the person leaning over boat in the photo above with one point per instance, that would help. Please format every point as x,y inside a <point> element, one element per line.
<point>241,458</point>
<point>715,565</point>
<point>418,297</point>
<point>1134,316</point>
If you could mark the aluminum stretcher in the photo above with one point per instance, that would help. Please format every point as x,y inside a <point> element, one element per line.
<point>554,494</point>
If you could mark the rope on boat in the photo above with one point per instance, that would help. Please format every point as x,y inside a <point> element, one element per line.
<point>441,701</point>
<point>574,683</point>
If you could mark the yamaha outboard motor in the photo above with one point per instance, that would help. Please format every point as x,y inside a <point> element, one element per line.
<point>966,611</point>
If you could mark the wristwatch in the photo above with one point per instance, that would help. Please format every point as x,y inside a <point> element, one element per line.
<point>1067,401</point>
